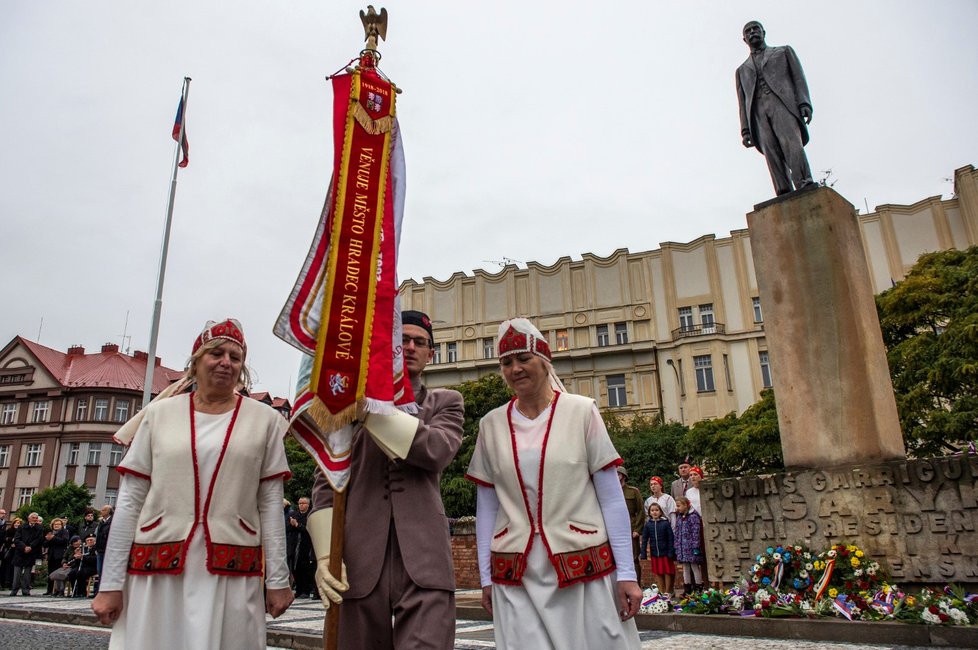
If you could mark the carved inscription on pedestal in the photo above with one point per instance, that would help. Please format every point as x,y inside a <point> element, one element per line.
<point>916,517</point>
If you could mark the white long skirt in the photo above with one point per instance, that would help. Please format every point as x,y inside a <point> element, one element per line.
<point>194,610</point>
<point>538,615</point>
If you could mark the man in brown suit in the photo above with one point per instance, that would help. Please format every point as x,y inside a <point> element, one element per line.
<point>397,550</point>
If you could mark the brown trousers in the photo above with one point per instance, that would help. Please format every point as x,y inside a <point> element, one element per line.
<point>423,618</point>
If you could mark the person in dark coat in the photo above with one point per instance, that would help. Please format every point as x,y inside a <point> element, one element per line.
<point>304,566</point>
<point>4,545</point>
<point>55,543</point>
<point>28,541</point>
<point>88,525</point>
<point>657,547</point>
<point>83,566</point>
<point>102,537</point>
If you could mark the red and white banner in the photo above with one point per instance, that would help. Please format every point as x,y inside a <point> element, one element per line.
<point>344,310</point>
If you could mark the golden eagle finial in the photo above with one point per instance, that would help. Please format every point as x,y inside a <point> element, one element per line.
<point>374,25</point>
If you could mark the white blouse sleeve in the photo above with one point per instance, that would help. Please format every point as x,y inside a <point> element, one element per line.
<point>616,520</point>
<point>270,495</point>
<point>132,494</point>
<point>486,508</point>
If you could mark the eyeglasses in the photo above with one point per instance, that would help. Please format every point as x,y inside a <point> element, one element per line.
<point>420,342</point>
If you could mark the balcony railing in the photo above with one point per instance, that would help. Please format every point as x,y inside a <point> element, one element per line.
<point>698,330</point>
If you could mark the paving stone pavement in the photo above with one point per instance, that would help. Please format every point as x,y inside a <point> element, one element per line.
<point>306,616</point>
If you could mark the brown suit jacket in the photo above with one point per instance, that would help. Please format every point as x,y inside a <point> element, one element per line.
<point>405,494</point>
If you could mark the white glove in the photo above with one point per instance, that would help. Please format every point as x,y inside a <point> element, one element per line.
<point>320,528</point>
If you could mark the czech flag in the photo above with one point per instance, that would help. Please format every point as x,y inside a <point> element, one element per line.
<point>179,125</point>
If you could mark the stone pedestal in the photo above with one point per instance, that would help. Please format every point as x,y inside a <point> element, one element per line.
<point>916,517</point>
<point>832,384</point>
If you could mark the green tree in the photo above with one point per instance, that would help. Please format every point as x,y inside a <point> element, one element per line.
<point>736,446</point>
<point>65,500</point>
<point>648,447</point>
<point>303,471</point>
<point>930,327</point>
<point>481,396</point>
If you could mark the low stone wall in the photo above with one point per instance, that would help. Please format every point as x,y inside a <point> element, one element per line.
<point>917,517</point>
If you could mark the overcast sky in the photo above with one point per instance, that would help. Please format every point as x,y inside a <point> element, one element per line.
<point>531,131</point>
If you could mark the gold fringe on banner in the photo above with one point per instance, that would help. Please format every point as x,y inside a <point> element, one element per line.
<point>327,421</point>
<point>370,125</point>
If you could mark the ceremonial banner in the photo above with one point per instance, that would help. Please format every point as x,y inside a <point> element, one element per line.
<point>344,310</point>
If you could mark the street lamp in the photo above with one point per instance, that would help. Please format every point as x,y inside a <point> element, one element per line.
<point>682,389</point>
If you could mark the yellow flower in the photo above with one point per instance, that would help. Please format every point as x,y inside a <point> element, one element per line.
<point>854,562</point>
<point>910,601</point>
<point>859,553</point>
<point>833,592</point>
<point>851,548</point>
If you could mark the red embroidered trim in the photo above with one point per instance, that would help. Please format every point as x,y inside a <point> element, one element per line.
<point>519,477</point>
<point>584,565</point>
<point>581,530</point>
<point>285,476</point>
<point>479,481</point>
<point>507,568</point>
<point>501,533</point>
<point>234,560</point>
<point>148,527</point>
<point>543,456</point>
<point>126,470</point>
<point>615,463</point>
<point>246,526</point>
<point>166,557</point>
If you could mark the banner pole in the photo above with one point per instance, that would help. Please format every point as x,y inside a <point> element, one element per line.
<point>332,630</point>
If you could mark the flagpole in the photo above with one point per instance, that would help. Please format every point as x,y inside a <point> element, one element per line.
<point>158,304</point>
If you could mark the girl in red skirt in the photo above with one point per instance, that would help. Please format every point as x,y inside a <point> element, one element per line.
<point>657,546</point>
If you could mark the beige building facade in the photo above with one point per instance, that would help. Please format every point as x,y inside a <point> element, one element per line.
<point>677,331</point>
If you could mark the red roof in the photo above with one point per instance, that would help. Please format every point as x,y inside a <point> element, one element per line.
<point>110,369</point>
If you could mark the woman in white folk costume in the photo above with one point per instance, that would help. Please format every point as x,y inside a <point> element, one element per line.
<point>552,524</point>
<point>199,506</point>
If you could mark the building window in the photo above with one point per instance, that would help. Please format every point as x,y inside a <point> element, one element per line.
<point>562,340</point>
<point>26,494</point>
<point>115,455</point>
<point>33,456</point>
<point>685,318</point>
<point>706,318</point>
<point>621,333</point>
<point>726,372</point>
<point>436,353</point>
<point>9,413</point>
<point>73,450</point>
<point>81,409</point>
<point>452,354</point>
<point>765,369</point>
<point>111,495</point>
<point>758,317</point>
<point>101,413</point>
<point>41,410</point>
<point>704,373</point>
<point>616,391</point>
<point>4,455</point>
<point>121,410</point>
<point>603,338</point>
<point>94,453</point>
<point>488,348</point>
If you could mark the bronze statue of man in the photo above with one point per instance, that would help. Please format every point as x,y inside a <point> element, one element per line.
<point>775,109</point>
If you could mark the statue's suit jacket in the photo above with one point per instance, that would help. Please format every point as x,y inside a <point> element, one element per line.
<point>784,76</point>
<point>405,491</point>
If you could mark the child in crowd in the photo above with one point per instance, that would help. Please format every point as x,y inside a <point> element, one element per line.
<point>689,547</point>
<point>657,546</point>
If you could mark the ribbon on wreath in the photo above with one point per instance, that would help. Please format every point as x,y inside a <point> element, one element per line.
<point>844,607</point>
<point>344,312</point>
<point>823,583</point>
<point>778,574</point>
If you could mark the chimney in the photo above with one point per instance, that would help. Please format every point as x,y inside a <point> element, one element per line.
<point>110,347</point>
<point>139,354</point>
<point>76,349</point>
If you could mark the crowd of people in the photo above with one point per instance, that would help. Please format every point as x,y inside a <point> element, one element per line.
<point>70,551</point>
<point>670,532</point>
<point>560,533</point>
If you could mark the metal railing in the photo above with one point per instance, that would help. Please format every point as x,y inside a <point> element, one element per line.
<point>698,330</point>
